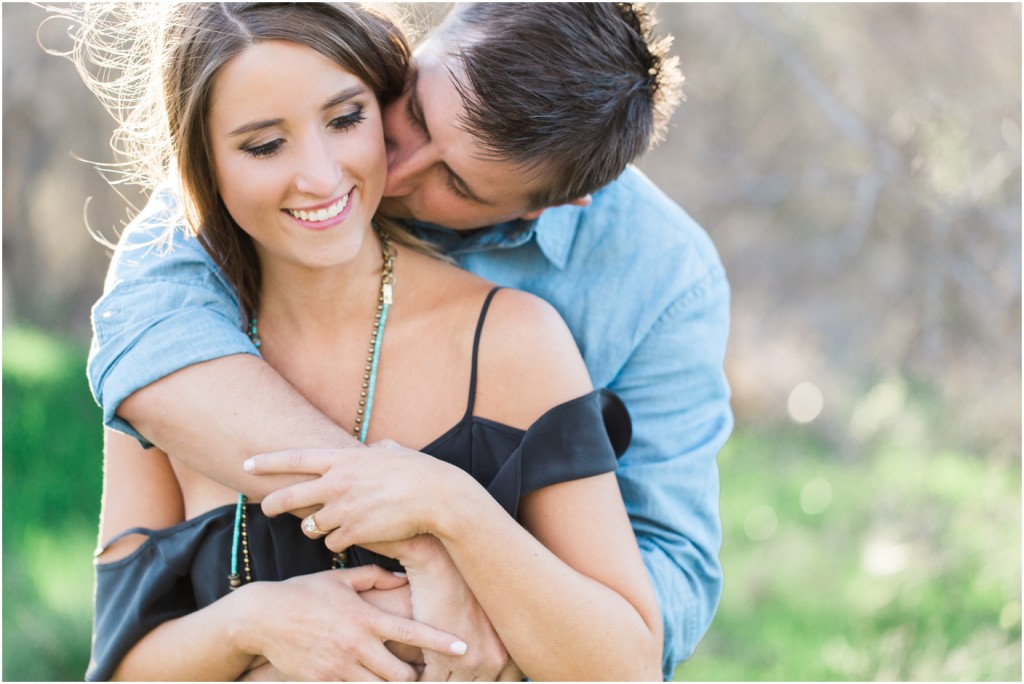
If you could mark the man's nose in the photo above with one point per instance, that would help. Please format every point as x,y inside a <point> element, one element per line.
<point>407,163</point>
<point>319,173</point>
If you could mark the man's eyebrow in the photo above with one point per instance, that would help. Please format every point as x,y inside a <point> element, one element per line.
<point>343,96</point>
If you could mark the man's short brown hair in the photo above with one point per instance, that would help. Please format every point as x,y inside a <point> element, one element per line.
<point>572,92</point>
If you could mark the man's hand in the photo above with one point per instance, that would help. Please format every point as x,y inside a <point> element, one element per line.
<point>316,627</point>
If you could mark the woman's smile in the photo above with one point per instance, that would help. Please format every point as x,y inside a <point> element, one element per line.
<point>323,216</point>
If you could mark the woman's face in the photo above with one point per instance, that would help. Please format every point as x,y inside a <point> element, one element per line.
<point>298,150</point>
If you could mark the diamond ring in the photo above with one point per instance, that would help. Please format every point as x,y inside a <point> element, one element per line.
<point>309,526</point>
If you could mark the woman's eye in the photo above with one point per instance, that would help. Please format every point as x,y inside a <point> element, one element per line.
<point>347,121</point>
<point>265,150</point>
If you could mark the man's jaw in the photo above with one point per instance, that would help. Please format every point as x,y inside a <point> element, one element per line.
<point>394,207</point>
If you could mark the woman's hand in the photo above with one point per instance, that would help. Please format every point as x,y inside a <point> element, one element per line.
<point>367,495</point>
<point>440,597</point>
<point>396,601</point>
<point>317,627</point>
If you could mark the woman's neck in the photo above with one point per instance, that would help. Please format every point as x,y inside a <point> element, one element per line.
<point>314,303</point>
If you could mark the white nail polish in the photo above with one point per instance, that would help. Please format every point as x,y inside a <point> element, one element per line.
<point>458,648</point>
<point>248,466</point>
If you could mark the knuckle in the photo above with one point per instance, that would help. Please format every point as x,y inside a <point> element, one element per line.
<point>398,673</point>
<point>294,459</point>
<point>335,541</point>
<point>400,630</point>
<point>495,658</point>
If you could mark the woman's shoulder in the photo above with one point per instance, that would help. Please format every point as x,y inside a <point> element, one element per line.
<point>528,360</point>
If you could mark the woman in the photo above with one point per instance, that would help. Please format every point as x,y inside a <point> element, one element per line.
<point>274,116</point>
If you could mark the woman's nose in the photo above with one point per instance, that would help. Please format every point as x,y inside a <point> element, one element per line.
<point>319,172</point>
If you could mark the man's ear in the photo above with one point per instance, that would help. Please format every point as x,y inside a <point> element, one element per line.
<point>578,202</point>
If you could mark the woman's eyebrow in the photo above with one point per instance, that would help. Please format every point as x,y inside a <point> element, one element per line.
<point>343,96</point>
<point>255,126</point>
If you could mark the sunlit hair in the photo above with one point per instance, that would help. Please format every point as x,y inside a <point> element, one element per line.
<point>570,92</point>
<point>154,65</point>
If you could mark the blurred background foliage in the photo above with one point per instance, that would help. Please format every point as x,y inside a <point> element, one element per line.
<point>859,168</point>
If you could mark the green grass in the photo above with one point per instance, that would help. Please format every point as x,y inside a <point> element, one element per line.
<point>912,572</point>
<point>893,561</point>
<point>52,460</point>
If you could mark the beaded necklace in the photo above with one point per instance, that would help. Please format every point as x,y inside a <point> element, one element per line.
<point>240,537</point>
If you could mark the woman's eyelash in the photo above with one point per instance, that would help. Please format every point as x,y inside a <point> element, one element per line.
<point>347,121</point>
<point>341,123</point>
<point>265,150</point>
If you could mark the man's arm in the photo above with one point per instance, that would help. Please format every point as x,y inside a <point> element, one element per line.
<point>215,414</point>
<point>678,398</point>
<point>171,365</point>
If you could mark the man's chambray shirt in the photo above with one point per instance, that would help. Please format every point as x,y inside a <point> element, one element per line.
<point>639,284</point>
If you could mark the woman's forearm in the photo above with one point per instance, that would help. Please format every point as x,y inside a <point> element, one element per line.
<point>557,623</point>
<point>203,645</point>
<point>311,627</point>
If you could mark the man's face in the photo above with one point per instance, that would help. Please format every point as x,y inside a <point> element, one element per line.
<point>436,171</point>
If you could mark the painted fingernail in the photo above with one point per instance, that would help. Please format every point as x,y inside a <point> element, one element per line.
<point>399,574</point>
<point>458,648</point>
<point>248,466</point>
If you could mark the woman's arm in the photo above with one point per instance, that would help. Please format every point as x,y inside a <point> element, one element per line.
<point>316,626</point>
<point>572,600</point>
<point>139,490</point>
<point>313,627</point>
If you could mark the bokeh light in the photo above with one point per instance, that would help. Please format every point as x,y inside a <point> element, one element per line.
<point>805,402</point>
<point>883,557</point>
<point>816,496</point>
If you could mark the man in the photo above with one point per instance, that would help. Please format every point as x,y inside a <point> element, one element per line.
<point>514,135</point>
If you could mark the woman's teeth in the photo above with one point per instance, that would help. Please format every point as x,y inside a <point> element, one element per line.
<point>321,214</point>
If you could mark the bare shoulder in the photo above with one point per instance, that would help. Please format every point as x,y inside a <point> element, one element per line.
<point>528,361</point>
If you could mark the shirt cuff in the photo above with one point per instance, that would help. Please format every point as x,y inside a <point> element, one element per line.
<point>127,357</point>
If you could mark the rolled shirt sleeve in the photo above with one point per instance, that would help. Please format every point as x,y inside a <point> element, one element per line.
<point>165,306</point>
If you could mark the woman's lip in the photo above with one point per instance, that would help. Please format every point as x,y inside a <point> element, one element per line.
<point>320,206</point>
<point>326,223</point>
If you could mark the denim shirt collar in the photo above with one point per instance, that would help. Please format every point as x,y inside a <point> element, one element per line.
<point>554,230</point>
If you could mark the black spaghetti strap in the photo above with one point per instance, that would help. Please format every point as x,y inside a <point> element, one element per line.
<point>476,349</point>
